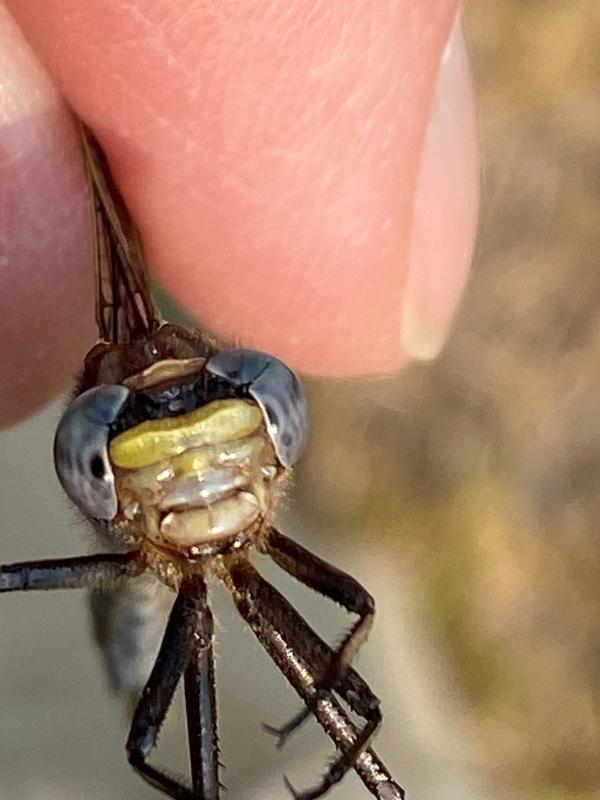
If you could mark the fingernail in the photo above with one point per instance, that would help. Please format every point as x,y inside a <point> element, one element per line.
<point>445,210</point>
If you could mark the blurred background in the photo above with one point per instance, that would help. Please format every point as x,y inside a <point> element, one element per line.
<point>463,493</point>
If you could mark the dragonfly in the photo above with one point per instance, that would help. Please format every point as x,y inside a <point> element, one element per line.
<point>177,449</point>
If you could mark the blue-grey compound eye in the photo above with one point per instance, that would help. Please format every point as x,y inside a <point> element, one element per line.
<point>81,450</point>
<point>276,390</point>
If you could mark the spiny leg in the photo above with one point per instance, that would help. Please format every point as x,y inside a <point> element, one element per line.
<point>270,612</point>
<point>303,658</point>
<point>157,695</point>
<point>81,572</point>
<point>200,700</point>
<point>317,656</point>
<point>338,586</point>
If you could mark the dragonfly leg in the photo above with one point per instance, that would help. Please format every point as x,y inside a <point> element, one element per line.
<point>200,701</point>
<point>283,732</point>
<point>157,695</point>
<point>338,586</point>
<point>304,658</point>
<point>69,573</point>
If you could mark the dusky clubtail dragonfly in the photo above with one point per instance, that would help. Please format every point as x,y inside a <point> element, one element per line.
<point>177,451</point>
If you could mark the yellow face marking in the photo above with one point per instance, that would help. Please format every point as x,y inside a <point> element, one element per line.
<point>159,439</point>
<point>239,453</point>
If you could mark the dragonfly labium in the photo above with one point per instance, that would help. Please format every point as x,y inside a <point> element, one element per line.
<point>177,450</point>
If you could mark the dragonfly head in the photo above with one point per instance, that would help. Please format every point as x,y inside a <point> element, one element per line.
<point>186,479</point>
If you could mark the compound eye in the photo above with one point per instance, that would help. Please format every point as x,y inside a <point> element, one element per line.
<point>81,450</point>
<point>276,390</point>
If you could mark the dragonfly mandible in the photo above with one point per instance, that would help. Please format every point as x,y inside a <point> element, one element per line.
<point>177,451</point>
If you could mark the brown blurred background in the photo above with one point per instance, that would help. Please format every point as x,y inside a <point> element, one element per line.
<point>465,493</point>
<point>479,474</point>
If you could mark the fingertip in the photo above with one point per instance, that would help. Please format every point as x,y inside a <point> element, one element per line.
<point>45,279</point>
<point>274,175</point>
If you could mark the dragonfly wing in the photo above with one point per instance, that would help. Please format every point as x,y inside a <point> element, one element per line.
<point>124,308</point>
<point>129,620</point>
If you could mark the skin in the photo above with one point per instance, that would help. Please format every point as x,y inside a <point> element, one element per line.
<point>304,175</point>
